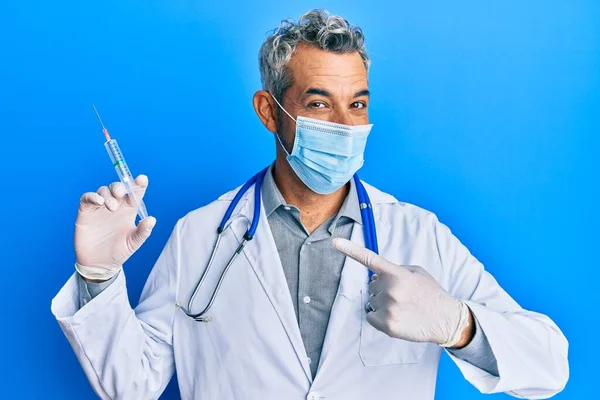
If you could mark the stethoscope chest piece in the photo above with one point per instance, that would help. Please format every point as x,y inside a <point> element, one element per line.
<point>203,318</point>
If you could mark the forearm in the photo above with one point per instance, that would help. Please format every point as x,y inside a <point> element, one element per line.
<point>119,357</point>
<point>530,353</point>
<point>529,349</point>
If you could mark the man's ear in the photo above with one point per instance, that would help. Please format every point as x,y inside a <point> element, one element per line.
<point>266,109</point>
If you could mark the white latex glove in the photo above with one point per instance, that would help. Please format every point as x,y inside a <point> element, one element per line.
<point>406,302</point>
<point>105,231</point>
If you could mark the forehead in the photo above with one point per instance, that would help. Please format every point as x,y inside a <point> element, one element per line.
<point>313,67</point>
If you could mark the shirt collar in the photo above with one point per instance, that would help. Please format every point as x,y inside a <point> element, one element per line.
<point>273,199</point>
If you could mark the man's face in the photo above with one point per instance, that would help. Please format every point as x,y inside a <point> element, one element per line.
<point>326,86</point>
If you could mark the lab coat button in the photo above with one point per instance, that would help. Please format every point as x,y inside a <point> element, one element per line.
<point>315,396</point>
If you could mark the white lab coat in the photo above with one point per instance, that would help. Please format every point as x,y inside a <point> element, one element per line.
<point>252,349</point>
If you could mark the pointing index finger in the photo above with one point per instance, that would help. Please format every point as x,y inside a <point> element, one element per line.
<point>373,261</point>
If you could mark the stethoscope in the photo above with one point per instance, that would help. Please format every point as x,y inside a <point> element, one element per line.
<point>366,212</point>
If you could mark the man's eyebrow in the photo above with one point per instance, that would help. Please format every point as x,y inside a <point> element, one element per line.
<point>325,93</point>
<point>321,92</point>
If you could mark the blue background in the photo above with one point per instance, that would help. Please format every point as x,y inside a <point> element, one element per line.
<point>486,113</point>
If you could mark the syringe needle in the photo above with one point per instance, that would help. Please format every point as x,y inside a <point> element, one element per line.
<point>104,130</point>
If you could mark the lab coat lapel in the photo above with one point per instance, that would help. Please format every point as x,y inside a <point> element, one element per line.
<point>264,259</point>
<point>353,280</point>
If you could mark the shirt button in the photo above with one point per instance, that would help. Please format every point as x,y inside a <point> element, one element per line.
<point>287,208</point>
<point>309,360</point>
<point>306,299</point>
<point>308,242</point>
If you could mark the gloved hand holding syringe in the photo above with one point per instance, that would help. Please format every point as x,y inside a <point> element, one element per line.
<point>105,231</point>
<point>116,156</point>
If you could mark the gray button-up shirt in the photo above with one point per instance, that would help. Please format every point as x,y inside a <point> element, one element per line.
<point>311,265</point>
<point>313,268</point>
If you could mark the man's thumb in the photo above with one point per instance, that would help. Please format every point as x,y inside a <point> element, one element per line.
<point>142,232</point>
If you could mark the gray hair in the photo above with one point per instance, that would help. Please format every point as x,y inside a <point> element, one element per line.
<point>317,28</point>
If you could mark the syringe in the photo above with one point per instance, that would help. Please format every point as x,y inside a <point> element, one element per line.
<point>116,156</point>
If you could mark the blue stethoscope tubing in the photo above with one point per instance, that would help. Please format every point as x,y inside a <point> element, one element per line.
<point>366,213</point>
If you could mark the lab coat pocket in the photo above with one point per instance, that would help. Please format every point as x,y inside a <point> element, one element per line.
<point>377,348</point>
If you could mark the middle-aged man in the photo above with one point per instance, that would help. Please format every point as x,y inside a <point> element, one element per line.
<point>297,315</point>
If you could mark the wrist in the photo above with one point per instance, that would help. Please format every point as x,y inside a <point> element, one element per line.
<point>467,333</point>
<point>461,335</point>
<point>95,274</point>
<point>87,280</point>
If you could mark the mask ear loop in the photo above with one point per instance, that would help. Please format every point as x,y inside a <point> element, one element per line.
<point>277,134</point>
<point>284,110</point>
<point>281,144</point>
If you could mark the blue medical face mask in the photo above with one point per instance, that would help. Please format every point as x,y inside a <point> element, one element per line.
<point>325,154</point>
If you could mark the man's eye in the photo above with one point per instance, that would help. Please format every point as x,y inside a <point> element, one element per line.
<point>358,104</point>
<point>317,104</point>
